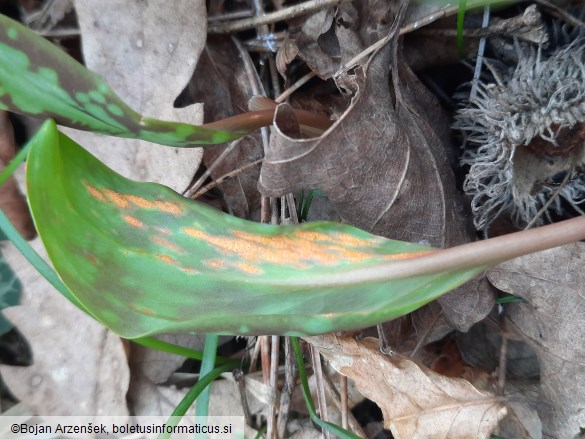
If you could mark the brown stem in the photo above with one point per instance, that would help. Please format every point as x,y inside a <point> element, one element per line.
<point>476,254</point>
<point>252,120</point>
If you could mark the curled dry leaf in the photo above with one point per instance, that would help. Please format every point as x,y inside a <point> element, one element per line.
<point>415,401</point>
<point>385,167</point>
<point>553,284</point>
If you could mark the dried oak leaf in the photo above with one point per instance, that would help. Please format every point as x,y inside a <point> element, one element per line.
<point>551,320</point>
<point>384,165</point>
<point>415,401</point>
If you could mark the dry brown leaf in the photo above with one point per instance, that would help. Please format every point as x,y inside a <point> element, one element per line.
<point>384,166</point>
<point>79,368</point>
<point>222,82</point>
<point>12,202</point>
<point>415,401</point>
<point>553,284</point>
<point>146,51</point>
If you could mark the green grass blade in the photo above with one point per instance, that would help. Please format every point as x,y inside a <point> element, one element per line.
<point>460,23</point>
<point>192,395</point>
<point>332,428</point>
<point>14,164</point>
<point>207,365</point>
<point>163,346</point>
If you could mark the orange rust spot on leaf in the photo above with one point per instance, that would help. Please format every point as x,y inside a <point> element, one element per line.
<point>189,270</point>
<point>118,199</point>
<point>215,263</point>
<point>167,259</point>
<point>169,245</point>
<point>133,221</point>
<point>165,206</point>
<point>94,192</point>
<point>399,256</point>
<point>282,249</point>
<point>247,268</point>
<point>143,309</point>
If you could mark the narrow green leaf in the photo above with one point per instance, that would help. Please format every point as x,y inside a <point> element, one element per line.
<point>144,260</point>
<point>39,79</point>
<point>207,365</point>
<point>192,395</point>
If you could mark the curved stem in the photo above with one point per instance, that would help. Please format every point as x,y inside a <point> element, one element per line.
<point>467,256</point>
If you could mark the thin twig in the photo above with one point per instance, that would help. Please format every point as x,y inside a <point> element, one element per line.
<point>319,384</point>
<point>502,365</point>
<point>274,354</point>
<point>189,192</point>
<point>287,389</point>
<point>571,19</point>
<point>480,52</point>
<point>298,84</point>
<point>240,379</point>
<point>446,11</point>
<point>305,8</point>
<point>225,177</point>
<point>553,196</point>
<point>343,397</point>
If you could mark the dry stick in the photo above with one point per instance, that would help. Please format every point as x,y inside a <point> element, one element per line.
<point>351,421</point>
<point>287,388</point>
<point>319,384</point>
<point>571,19</point>
<point>240,379</point>
<point>502,365</point>
<point>265,358</point>
<point>298,84</point>
<point>480,52</point>
<point>446,11</point>
<point>344,400</point>
<point>274,354</point>
<point>225,177</point>
<point>553,196</point>
<point>189,192</point>
<point>284,14</point>
<point>420,342</point>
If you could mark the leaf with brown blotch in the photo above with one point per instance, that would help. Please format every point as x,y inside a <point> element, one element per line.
<point>12,201</point>
<point>416,402</point>
<point>553,284</point>
<point>385,167</point>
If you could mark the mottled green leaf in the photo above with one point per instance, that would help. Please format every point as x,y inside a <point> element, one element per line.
<point>39,79</point>
<point>144,260</point>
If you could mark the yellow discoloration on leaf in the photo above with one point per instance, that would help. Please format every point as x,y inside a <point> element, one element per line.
<point>169,245</point>
<point>167,259</point>
<point>215,263</point>
<point>133,221</point>
<point>190,270</point>
<point>94,192</point>
<point>164,206</point>
<point>281,249</point>
<point>118,199</point>
<point>142,309</point>
<point>399,256</point>
<point>247,268</point>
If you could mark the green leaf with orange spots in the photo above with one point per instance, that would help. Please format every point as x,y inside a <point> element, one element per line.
<point>39,79</point>
<point>144,260</point>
